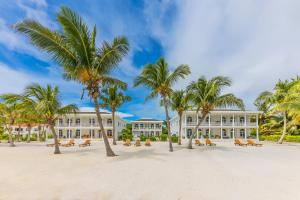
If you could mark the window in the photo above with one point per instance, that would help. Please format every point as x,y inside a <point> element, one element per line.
<point>189,119</point>
<point>224,120</point>
<point>60,133</point>
<point>157,126</point>
<point>109,133</point>
<point>69,121</point>
<point>92,121</point>
<point>141,125</point>
<point>152,126</point>
<point>224,132</point>
<point>136,126</point>
<point>242,119</point>
<point>152,133</point>
<point>207,119</point>
<point>109,121</point>
<point>242,132</point>
<point>157,133</point>
<point>60,121</point>
<point>77,133</point>
<point>77,122</point>
<point>189,133</point>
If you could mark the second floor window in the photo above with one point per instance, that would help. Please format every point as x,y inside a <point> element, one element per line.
<point>77,121</point>
<point>69,121</point>
<point>189,119</point>
<point>152,125</point>
<point>224,120</point>
<point>109,121</point>
<point>157,126</point>
<point>141,125</point>
<point>231,119</point>
<point>136,126</point>
<point>60,121</point>
<point>242,119</point>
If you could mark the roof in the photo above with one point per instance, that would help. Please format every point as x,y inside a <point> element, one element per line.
<point>147,120</point>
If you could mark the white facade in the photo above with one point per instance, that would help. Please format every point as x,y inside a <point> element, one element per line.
<point>85,124</point>
<point>147,127</point>
<point>219,124</point>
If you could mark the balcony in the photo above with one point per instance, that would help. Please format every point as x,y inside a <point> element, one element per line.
<point>224,124</point>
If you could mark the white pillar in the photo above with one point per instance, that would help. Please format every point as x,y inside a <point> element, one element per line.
<point>233,120</point>
<point>256,119</point>
<point>233,136</point>
<point>221,126</point>
<point>245,133</point>
<point>257,137</point>
<point>245,125</point>
<point>209,132</point>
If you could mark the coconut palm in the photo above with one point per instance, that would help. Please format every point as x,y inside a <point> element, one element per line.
<point>179,102</point>
<point>112,97</point>
<point>159,79</point>
<point>48,105</point>
<point>9,113</point>
<point>206,95</point>
<point>74,48</point>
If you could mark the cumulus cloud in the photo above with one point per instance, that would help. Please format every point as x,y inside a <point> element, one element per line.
<point>253,42</point>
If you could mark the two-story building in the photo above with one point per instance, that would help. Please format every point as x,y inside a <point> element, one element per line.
<point>85,124</point>
<point>147,127</point>
<point>219,124</point>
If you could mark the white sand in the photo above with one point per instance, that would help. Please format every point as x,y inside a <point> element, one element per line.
<point>31,171</point>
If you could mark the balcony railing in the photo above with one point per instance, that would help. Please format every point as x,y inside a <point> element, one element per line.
<point>223,124</point>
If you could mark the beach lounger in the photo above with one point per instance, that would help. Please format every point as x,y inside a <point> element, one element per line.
<point>70,143</point>
<point>209,143</point>
<point>197,142</point>
<point>147,142</point>
<point>237,142</point>
<point>137,143</point>
<point>52,145</point>
<point>252,143</point>
<point>127,142</point>
<point>86,143</point>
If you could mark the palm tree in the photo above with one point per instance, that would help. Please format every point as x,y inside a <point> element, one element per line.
<point>48,105</point>
<point>206,95</point>
<point>74,48</point>
<point>9,113</point>
<point>159,79</point>
<point>113,98</point>
<point>179,102</point>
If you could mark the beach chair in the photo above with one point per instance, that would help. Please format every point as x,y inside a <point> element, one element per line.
<point>148,143</point>
<point>137,143</point>
<point>85,143</point>
<point>70,143</point>
<point>252,143</point>
<point>237,142</point>
<point>209,143</point>
<point>127,142</point>
<point>197,142</point>
<point>52,145</point>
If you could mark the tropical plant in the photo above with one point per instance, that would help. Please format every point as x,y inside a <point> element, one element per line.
<point>74,48</point>
<point>206,95</point>
<point>159,79</point>
<point>9,113</point>
<point>48,105</point>
<point>113,97</point>
<point>179,102</point>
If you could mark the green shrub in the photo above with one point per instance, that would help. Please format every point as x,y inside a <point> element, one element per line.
<point>292,138</point>
<point>50,136</point>
<point>163,137</point>
<point>275,138</point>
<point>174,138</point>
<point>153,138</point>
<point>126,136</point>
<point>4,136</point>
<point>143,137</point>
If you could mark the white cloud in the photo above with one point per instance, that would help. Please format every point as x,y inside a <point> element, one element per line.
<point>253,42</point>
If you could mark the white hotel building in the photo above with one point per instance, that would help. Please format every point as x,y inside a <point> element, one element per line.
<point>85,124</point>
<point>219,124</point>
<point>147,127</point>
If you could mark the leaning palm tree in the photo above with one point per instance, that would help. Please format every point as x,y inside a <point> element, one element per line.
<point>48,105</point>
<point>206,95</point>
<point>159,79</point>
<point>113,98</point>
<point>179,102</point>
<point>74,48</point>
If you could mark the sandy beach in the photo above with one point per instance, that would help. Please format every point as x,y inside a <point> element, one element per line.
<point>31,171</point>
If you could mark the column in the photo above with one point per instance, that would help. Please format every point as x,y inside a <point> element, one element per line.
<point>233,136</point>
<point>80,129</point>
<point>245,125</point>
<point>221,126</point>
<point>197,134</point>
<point>245,133</point>
<point>257,137</point>
<point>209,132</point>
<point>256,119</point>
<point>233,120</point>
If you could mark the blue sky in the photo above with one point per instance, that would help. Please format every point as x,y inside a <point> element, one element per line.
<point>253,42</point>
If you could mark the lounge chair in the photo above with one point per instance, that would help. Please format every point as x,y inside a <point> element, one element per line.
<point>209,143</point>
<point>148,143</point>
<point>237,142</point>
<point>52,145</point>
<point>137,143</point>
<point>252,143</point>
<point>197,142</point>
<point>70,143</point>
<point>85,143</point>
<point>127,142</point>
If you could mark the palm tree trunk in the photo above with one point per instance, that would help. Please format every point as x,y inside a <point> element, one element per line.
<point>280,141</point>
<point>39,133</point>
<point>19,133</point>
<point>168,124</point>
<point>11,139</point>
<point>190,145</point>
<point>109,151</point>
<point>180,125</point>
<point>56,145</point>
<point>114,127</point>
<point>29,134</point>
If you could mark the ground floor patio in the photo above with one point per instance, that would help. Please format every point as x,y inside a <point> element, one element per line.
<point>227,172</point>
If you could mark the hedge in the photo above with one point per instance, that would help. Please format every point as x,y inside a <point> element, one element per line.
<point>275,138</point>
